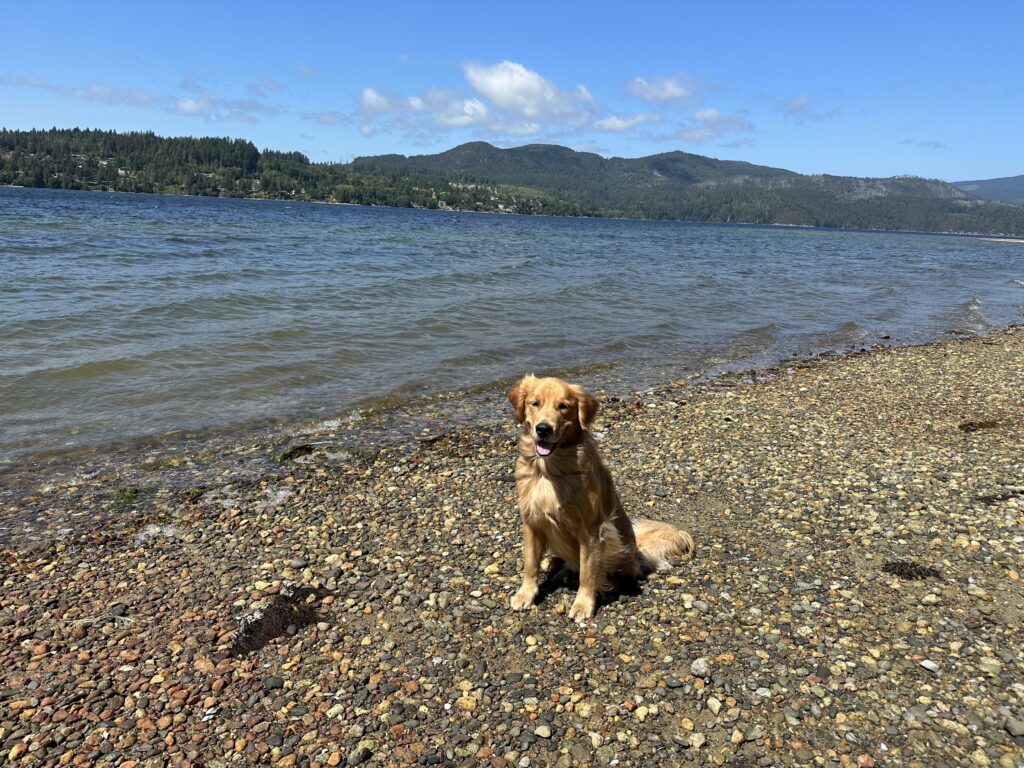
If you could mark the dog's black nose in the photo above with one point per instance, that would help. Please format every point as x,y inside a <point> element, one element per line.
<point>543,429</point>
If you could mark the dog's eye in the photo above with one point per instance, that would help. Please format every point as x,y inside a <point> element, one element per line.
<point>535,403</point>
<point>563,406</point>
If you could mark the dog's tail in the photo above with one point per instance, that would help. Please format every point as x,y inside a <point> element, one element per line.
<point>658,542</point>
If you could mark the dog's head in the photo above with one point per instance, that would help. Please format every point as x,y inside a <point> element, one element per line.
<point>553,412</point>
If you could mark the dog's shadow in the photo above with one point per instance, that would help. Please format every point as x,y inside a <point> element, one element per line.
<point>559,577</point>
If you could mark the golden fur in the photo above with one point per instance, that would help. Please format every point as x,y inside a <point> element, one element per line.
<point>569,504</point>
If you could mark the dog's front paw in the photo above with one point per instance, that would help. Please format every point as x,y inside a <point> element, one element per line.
<point>523,599</point>
<point>582,609</point>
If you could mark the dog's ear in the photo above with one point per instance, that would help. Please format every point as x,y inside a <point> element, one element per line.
<point>587,405</point>
<point>517,396</point>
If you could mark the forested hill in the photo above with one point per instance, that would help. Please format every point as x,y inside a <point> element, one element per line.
<point>677,185</point>
<point>532,179</point>
<point>1009,189</point>
<point>143,162</point>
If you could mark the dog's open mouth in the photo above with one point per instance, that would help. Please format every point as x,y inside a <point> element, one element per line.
<point>544,447</point>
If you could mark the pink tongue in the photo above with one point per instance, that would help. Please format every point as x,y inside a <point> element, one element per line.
<point>542,451</point>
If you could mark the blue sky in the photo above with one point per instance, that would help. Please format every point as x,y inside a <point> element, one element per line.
<point>933,89</point>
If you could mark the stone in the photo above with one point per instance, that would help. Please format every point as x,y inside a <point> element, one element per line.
<point>359,756</point>
<point>700,667</point>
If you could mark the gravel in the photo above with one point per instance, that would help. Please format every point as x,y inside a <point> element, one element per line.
<point>855,598</point>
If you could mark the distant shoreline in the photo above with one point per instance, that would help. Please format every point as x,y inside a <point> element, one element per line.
<point>986,236</point>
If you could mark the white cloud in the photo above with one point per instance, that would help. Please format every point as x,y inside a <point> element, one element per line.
<point>451,109</point>
<point>619,124</point>
<point>796,106</point>
<point>799,110</point>
<point>376,103</point>
<point>711,124</point>
<point>95,91</point>
<point>382,111</point>
<point>662,88</point>
<point>211,106</point>
<point>190,107</point>
<point>517,127</point>
<point>509,99</point>
<point>513,88</point>
<point>265,87</point>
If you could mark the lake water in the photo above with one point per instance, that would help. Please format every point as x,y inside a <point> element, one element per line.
<point>127,316</point>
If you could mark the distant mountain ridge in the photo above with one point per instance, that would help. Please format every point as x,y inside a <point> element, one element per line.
<point>1008,189</point>
<point>533,179</point>
<point>679,185</point>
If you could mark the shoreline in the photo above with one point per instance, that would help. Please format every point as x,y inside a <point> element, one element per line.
<point>855,598</point>
<point>183,459</point>
<point>995,237</point>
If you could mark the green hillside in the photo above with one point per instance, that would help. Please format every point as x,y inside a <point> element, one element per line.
<point>678,185</point>
<point>220,167</point>
<point>1009,189</point>
<point>534,179</point>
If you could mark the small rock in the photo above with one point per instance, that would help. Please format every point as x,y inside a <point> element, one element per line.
<point>700,667</point>
<point>979,758</point>
<point>359,756</point>
<point>714,705</point>
<point>274,682</point>
<point>543,731</point>
<point>931,666</point>
<point>1014,727</point>
<point>753,733</point>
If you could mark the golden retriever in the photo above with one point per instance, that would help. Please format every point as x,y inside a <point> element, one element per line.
<point>569,504</point>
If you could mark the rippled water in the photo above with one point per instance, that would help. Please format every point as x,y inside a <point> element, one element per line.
<point>130,315</point>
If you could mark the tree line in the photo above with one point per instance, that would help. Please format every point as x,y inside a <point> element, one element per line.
<point>222,167</point>
<point>535,179</point>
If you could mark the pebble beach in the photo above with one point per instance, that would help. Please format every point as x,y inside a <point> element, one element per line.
<point>854,600</point>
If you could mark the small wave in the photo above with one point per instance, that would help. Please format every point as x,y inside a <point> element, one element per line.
<point>844,334</point>
<point>96,369</point>
<point>852,330</point>
<point>287,334</point>
<point>968,317</point>
<point>1017,282</point>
